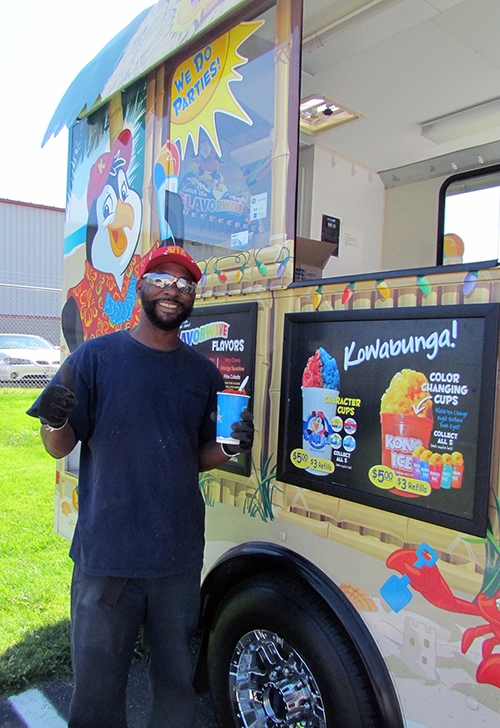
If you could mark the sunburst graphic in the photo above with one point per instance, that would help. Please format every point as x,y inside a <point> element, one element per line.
<point>201,88</point>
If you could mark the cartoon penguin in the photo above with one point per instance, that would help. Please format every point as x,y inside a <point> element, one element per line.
<point>105,300</point>
<point>318,429</point>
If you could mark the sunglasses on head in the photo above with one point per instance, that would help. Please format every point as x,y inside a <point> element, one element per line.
<point>165,280</point>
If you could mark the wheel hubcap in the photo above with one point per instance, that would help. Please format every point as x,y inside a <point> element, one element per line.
<point>271,685</point>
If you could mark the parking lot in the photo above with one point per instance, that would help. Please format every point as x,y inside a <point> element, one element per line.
<point>47,706</point>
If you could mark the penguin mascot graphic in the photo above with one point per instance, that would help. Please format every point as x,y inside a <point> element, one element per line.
<point>105,300</point>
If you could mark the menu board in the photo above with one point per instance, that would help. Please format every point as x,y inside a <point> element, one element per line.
<point>226,334</point>
<point>393,409</point>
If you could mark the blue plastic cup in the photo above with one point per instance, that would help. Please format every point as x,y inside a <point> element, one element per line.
<point>229,408</point>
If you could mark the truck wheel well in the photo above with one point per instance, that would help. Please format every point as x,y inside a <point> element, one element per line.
<point>258,558</point>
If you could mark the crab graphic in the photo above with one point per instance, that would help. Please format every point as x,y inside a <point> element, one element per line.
<point>431,584</point>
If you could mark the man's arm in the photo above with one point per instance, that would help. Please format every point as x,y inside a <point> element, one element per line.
<point>212,456</point>
<point>54,408</point>
<point>58,443</point>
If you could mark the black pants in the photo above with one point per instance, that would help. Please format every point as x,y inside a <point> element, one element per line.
<point>103,641</point>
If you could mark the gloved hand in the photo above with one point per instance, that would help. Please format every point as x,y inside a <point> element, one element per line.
<point>57,400</point>
<point>242,431</point>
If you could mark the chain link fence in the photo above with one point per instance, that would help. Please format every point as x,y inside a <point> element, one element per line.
<point>26,312</point>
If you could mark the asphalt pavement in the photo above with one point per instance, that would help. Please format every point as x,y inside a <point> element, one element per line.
<point>47,706</point>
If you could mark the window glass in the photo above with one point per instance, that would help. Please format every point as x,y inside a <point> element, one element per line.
<point>222,122</point>
<point>471,231</point>
<point>23,342</point>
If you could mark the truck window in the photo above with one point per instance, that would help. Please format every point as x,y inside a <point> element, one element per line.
<point>469,217</point>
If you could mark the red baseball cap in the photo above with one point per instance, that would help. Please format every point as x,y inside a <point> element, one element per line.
<point>170,254</point>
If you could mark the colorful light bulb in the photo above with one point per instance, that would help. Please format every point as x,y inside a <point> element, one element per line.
<point>424,285</point>
<point>318,295</point>
<point>470,282</point>
<point>348,293</point>
<point>383,289</point>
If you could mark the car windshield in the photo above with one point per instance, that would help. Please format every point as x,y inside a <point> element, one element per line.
<point>18,341</point>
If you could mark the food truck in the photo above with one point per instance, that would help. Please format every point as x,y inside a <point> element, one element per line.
<point>334,168</point>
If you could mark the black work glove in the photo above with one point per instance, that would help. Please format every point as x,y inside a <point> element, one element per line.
<point>242,431</point>
<point>57,401</point>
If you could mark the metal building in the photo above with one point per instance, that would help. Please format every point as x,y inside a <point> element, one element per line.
<point>31,254</point>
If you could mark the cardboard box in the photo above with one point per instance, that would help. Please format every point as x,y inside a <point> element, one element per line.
<point>311,257</point>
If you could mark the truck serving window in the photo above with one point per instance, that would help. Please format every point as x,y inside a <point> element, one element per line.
<point>469,217</point>
<point>220,189</point>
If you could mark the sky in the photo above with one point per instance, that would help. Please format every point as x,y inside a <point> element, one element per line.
<point>43,46</point>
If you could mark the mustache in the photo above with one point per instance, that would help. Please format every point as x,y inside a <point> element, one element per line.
<point>149,310</point>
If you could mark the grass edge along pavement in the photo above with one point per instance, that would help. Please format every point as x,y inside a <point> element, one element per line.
<point>35,568</point>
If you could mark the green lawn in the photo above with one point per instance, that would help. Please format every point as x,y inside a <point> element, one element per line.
<point>35,569</point>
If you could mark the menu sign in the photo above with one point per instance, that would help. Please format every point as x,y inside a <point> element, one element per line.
<point>393,409</point>
<point>226,334</point>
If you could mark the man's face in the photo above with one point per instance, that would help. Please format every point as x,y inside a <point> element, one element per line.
<point>166,308</point>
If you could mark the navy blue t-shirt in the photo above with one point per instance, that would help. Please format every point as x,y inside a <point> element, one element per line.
<point>142,415</point>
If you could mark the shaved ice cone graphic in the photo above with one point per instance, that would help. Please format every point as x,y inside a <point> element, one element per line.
<point>165,177</point>
<point>320,391</point>
<point>406,424</point>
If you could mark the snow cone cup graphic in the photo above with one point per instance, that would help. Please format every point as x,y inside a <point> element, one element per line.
<point>435,470</point>
<point>425,473</point>
<point>406,425</point>
<point>416,461</point>
<point>446,477</point>
<point>165,177</point>
<point>320,391</point>
<point>319,407</point>
<point>457,461</point>
<point>401,435</point>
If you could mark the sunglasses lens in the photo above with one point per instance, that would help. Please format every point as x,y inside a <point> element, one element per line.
<point>164,280</point>
<point>185,286</point>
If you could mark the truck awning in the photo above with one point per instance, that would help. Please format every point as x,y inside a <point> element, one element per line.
<point>151,37</point>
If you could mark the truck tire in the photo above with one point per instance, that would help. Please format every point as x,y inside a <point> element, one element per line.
<point>278,658</point>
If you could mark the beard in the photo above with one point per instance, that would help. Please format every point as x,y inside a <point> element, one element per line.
<point>149,309</point>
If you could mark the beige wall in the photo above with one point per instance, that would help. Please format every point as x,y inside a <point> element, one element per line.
<point>380,229</point>
<point>356,196</point>
<point>410,226</point>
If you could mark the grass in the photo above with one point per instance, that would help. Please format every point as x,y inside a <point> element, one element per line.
<point>35,570</point>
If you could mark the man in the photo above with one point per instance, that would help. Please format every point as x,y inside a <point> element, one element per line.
<point>143,405</point>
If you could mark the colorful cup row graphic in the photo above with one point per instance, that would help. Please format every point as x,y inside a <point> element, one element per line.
<point>440,470</point>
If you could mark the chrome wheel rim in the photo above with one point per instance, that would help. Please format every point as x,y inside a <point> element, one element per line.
<point>271,685</point>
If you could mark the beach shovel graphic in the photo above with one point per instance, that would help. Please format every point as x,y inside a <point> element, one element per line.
<point>395,591</point>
